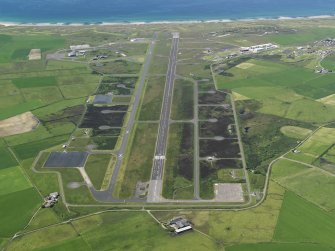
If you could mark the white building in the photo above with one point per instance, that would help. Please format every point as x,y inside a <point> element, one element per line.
<point>258,48</point>
<point>80,47</point>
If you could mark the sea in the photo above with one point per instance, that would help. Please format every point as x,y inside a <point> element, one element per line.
<point>146,11</point>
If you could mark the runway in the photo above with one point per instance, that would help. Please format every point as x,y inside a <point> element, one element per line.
<point>156,183</point>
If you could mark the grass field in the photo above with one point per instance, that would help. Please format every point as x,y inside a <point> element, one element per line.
<point>284,168</point>
<point>315,146</point>
<point>19,108</point>
<point>96,167</point>
<point>284,90</point>
<point>43,218</point>
<point>17,47</point>
<point>295,132</point>
<point>34,82</point>
<point>46,183</point>
<point>12,180</point>
<point>99,232</point>
<point>329,62</point>
<point>80,195</point>
<point>231,227</point>
<point>139,163</point>
<point>302,36</point>
<point>16,210</point>
<point>312,184</point>
<point>183,103</point>
<point>178,171</point>
<point>152,101</point>
<point>300,221</point>
<point>18,200</point>
<point>280,247</point>
<point>6,158</point>
<point>28,150</point>
<point>161,53</point>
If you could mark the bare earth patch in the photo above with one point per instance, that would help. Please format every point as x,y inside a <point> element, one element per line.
<point>35,54</point>
<point>18,124</point>
<point>245,66</point>
<point>328,100</point>
<point>238,97</point>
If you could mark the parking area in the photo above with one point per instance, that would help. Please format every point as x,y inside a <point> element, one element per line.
<point>103,100</point>
<point>229,192</point>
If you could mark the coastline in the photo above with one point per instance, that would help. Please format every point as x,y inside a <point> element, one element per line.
<point>280,18</point>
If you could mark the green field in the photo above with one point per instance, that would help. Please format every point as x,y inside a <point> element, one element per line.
<point>284,90</point>
<point>295,132</point>
<point>312,184</point>
<point>283,168</point>
<point>182,105</point>
<point>329,62</point>
<point>231,227</point>
<point>280,247</point>
<point>42,219</point>
<point>139,162</point>
<point>161,53</point>
<point>303,36</point>
<point>96,167</point>
<point>100,232</point>
<point>16,210</point>
<point>152,101</point>
<point>178,173</point>
<point>12,180</point>
<point>315,146</point>
<point>28,150</point>
<point>34,82</point>
<point>17,47</point>
<point>80,195</point>
<point>300,221</point>
<point>19,108</point>
<point>6,158</point>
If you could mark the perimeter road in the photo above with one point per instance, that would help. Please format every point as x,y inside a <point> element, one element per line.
<point>107,195</point>
<point>156,183</point>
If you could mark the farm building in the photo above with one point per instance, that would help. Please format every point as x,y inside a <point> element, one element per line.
<point>180,225</point>
<point>50,200</point>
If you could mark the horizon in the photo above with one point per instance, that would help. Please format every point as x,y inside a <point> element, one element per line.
<point>102,11</point>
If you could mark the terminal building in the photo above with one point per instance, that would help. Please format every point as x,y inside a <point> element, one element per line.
<point>258,48</point>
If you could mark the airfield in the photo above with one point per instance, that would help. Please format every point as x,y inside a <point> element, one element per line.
<point>229,124</point>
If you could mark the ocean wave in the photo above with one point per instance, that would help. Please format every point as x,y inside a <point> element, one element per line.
<point>5,23</point>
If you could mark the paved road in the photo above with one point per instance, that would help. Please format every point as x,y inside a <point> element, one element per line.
<point>238,132</point>
<point>107,195</point>
<point>155,189</point>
